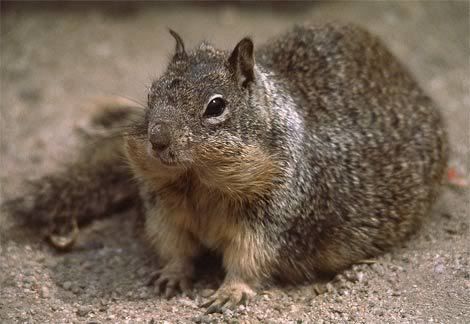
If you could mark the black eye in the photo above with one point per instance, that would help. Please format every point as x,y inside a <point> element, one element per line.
<point>215,107</point>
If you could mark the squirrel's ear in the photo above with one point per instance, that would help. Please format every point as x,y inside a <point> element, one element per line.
<point>180,52</point>
<point>242,61</point>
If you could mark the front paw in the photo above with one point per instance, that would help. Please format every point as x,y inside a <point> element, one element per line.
<point>172,279</point>
<point>229,296</point>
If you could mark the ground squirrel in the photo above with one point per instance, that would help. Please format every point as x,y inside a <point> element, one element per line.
<point>301,157</point>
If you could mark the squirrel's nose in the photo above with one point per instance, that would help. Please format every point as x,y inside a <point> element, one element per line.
<point>159,137</point>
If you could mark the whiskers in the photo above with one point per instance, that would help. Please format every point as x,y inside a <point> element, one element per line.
<point>116,118</point>
<point>139,104</point>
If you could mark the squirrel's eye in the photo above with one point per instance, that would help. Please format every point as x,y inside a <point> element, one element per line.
<point>215,107</point>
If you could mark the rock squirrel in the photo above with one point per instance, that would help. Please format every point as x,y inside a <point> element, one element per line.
<point>311,153</point>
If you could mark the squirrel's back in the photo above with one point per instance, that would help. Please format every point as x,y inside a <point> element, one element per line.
<point>343,79</point>
<point>374,148</point>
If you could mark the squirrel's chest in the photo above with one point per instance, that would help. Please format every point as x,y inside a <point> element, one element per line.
<point>202,213</point>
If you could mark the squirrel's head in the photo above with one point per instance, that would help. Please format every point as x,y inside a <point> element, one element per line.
<point>199,114</point>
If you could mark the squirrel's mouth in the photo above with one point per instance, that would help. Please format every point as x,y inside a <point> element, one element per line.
<point>166,157</point>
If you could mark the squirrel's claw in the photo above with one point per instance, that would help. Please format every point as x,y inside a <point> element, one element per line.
<point>169,284</point>
<point>64,242</point>
<point>229,296</point>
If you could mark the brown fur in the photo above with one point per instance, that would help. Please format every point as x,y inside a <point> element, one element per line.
<point>205,206</point>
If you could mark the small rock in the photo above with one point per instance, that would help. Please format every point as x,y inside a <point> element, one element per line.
<point>44,292</point>
<point>439,268</point>
<point>86,265</point>
<point>83,311</point>
<point>67,285</point>
<point>345,292</point>
<point>360,276</point>
<point>76,289</point>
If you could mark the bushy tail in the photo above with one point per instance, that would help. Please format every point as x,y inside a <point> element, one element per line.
<point>94,186</point>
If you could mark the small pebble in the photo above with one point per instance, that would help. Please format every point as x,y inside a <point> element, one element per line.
<point>86,265</point>
<point>67,285</point>
<point>439,268</point>
<point>75,289</point>
<point>44,292</point>
<point>360,276</point>
<point>83,311</point>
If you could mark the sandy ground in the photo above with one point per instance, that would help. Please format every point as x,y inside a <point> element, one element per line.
<point>53,60</point>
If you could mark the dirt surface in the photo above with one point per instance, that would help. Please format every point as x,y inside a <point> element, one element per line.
<point>53,60</point>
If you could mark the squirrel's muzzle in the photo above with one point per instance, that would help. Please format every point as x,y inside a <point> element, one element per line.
<point>159,137</point>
